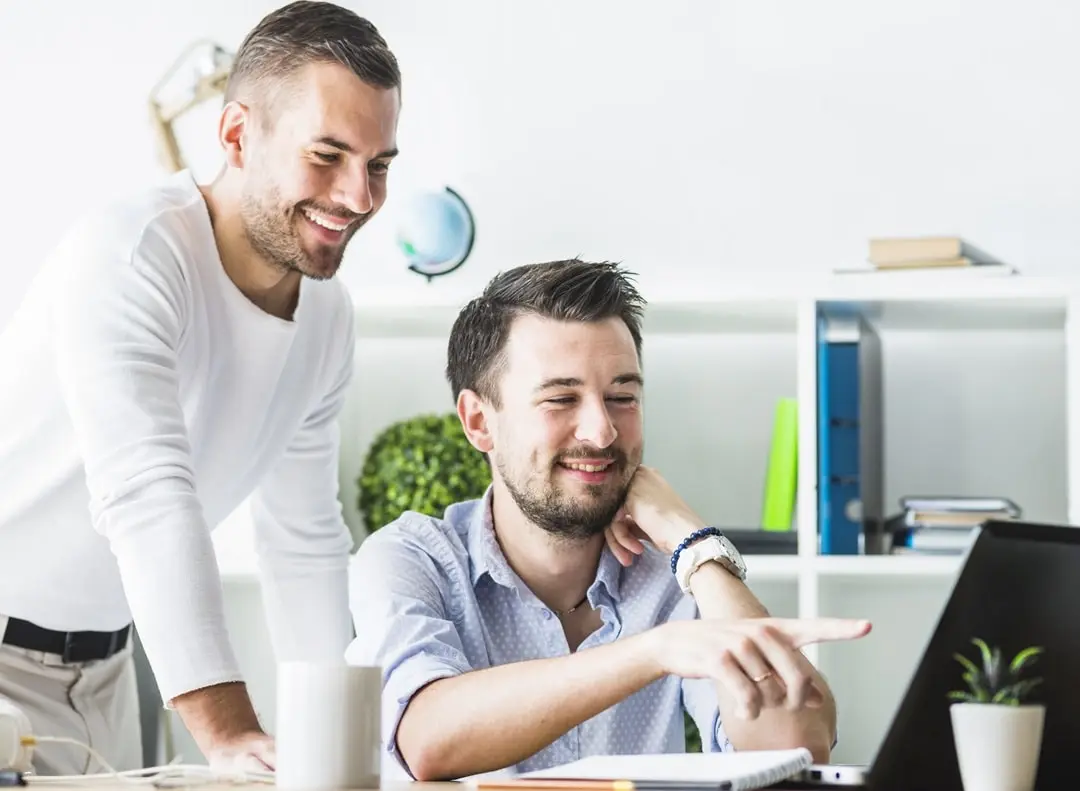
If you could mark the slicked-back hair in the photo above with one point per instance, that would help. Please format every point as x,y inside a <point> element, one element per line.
<point>570,290</point>
<point>305,32</point>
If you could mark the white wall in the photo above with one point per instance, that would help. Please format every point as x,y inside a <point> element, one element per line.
<point>699,142</point>
<point>690,139</point>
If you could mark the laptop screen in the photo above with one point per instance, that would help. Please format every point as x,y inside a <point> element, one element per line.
<point>1019,586</point>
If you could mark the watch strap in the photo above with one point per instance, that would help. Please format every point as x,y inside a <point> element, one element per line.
<point>697,535</point>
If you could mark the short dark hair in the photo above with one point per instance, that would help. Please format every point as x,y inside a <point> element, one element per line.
<point>570,290</point>
<point>305,32</point>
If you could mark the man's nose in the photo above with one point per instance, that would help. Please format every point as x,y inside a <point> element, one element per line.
<point>354,193</point>
<point>595,425</point>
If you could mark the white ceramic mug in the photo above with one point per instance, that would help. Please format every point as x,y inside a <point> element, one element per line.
<point>327,730</point>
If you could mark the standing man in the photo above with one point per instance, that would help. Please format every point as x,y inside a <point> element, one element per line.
<point>180,351</point>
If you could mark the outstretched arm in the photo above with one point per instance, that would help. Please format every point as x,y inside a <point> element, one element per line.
<point>790,704</point>
<point>447,720</point>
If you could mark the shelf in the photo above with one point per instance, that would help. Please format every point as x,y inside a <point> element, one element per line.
<point>951,301</point>
<point>396,321</point>
<point>781,567</point>
<point>946,288</point>
<point>887,565</point>
<point>944,312</point>
<point>753,314</point>
<point>954,303</point>
<point>772,567</point>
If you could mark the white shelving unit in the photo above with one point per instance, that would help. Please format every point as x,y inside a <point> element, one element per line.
<point>980,383</point>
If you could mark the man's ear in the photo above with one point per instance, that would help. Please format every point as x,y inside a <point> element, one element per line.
<point>231,133</point>
<point>472,411</point>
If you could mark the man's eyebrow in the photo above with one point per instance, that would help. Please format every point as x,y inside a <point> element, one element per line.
<point>572,381</point>
<point>333,142</point>
<point>559,381</point>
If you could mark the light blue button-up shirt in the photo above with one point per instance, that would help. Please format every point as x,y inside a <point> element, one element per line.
<point>433,598</point>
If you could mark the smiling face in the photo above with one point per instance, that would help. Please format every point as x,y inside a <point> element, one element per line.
<point>567,437</point>
<point>315,167</point>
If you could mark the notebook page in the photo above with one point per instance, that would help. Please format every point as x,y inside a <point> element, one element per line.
<point>745,770</point>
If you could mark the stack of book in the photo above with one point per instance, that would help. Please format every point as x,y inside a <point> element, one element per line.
<point>930,253</point>
<point>944,525</point>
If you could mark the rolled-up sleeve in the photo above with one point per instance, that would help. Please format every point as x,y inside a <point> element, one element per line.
<point>400,614</point>
<point>700,702</point>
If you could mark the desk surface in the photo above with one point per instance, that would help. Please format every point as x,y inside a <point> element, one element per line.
<point>120,785</point>
<point>100,785</point>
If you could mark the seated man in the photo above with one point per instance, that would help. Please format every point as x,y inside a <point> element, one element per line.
<point>543,622</point>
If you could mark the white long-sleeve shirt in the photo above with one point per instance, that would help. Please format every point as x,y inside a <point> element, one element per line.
<point>143,397</point>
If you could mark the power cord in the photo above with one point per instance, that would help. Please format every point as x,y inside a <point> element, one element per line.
<point>168,776</point>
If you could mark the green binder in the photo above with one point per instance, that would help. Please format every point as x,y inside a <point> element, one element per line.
<point>778,509</point>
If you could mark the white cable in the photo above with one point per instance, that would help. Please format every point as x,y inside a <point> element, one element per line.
<point>17,744</point>
<point>170,775</point>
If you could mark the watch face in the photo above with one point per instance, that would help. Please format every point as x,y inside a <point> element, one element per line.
<point>734,555</point>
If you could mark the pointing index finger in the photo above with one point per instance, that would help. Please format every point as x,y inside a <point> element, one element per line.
<point>818,630</point>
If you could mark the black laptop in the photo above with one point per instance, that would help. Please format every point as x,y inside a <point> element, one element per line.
<point>1018,586</point>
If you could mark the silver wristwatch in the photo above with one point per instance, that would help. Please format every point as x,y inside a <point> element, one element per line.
<point>711,548</point>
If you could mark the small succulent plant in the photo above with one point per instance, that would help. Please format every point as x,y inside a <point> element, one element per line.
<point>995,682</point>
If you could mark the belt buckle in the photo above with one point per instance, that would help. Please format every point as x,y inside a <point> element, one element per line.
<point>81,647</point>
<point>71,646</point>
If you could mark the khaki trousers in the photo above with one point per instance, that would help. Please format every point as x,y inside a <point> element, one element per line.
<point>95,703</point>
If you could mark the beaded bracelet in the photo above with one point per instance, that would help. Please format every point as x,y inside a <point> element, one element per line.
<point>690,539</point>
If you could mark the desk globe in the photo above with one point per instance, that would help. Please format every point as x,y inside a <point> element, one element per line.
<point>436,232</point>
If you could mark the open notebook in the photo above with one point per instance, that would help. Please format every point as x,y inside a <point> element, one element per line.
<point>735,771</point>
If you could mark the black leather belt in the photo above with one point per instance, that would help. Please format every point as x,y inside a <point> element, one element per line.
<point>72,646</point>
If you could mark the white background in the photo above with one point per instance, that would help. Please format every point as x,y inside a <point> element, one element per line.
<point>701,143</point>
<point>695,141</point>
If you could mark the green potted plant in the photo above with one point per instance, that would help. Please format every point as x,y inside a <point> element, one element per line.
<point>424,464</point>
<point>997,731</point>
<point>692,734</point>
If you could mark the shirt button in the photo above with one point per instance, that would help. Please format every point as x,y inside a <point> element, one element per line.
<point>547,614</point>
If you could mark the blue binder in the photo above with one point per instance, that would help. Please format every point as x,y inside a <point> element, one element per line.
<point>850,452</point>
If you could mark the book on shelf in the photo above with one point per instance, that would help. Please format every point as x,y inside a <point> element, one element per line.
<point>928,251</point>
<point>781,471</point>
<point>960,504</point>
<point>944,525</point>
<point>931,541</point>
<point>927,258</point>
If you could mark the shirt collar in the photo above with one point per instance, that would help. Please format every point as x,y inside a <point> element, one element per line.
<point>486,556</point>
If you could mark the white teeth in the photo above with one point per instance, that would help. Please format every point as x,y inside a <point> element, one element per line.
<point>318,219</point>
<point>588,467</point>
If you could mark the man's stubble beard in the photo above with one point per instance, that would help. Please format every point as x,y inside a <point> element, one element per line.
<point>273,235</point>
<point>564,517</point>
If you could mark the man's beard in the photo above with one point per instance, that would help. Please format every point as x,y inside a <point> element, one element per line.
<point>562,515</point>
<point>273,235</point>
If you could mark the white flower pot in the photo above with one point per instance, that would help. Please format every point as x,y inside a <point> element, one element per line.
<point>997,746</point>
